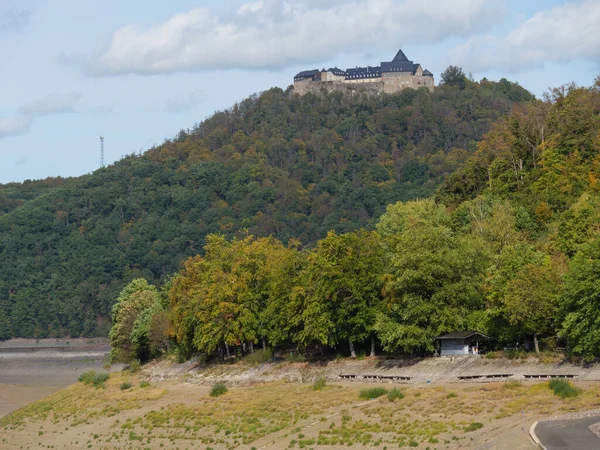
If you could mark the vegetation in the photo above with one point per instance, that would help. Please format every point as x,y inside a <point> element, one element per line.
<point>395,394</point>
<point>297,222</point>
<point>280,413</point>
<point>276,165</point>
<point>473,427</point>
<point>372,393</point>
<point>218,389</point>
<point>319,384</point>
<point>515,258</point>
<point>563,388</point>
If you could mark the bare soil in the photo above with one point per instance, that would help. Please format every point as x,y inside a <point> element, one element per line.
<point>273,406</point>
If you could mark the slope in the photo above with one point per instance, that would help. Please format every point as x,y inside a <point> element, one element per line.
<point>294,167</point>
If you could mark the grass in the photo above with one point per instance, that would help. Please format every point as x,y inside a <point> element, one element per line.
<point>99,379</point>
<point>564,388</point>
<point>135,365</point>
<point>473,426</point>
<point>259,357</point>
<point>191,419</point>
<point>372,393</point>
<point>319,384</point>
<point>218,389</point>
<point>395,394</point>
<point>87,377</point>
<point>125,385</point>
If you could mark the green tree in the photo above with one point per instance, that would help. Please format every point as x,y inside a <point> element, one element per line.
<point>434,282</point>
<point>580,301</point>
<point>454,76</point>
<point>343,289</point>
<point>136,298</point>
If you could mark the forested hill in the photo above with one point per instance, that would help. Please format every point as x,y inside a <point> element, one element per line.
<point>274,164</point>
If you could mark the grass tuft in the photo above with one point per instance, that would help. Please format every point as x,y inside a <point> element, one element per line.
<point>395,394</point>
<point>372,393</point>
<point>259,357</point>
<point>474,426</point>
<point>125,385</point>
<point>99,379</point>
<point>218,389</point>
<point>564,388</point>
<point>319,384</point>
<point>87,377</point>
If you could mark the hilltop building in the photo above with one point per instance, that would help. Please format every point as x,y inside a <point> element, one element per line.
<point>390,77</point>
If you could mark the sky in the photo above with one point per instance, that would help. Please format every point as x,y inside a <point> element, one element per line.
<point>137,72</point>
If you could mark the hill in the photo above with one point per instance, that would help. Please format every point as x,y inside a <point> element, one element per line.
<point>274,164</point>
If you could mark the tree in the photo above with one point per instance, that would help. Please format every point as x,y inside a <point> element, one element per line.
<point>342,287</point>
<point>580,302</point>
<point>136,298</point>
<point>434,282</point>
<point>454,76</point>
<point>530,299</point>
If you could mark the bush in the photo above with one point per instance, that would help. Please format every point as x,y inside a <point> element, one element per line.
<point>513,384</point>
<point>99,379</point>
<point>145,384</point>
<point>452,395</point>
<point>372,393</point>
<point>395,394</point>
<point>564,388</point>
<point>126,385</point>
<point>259,357</point>
<point>319,384</point>
<point>87,377</point>
<point>135,366</point>
<point>474,426</point>
<point>295,357</point>
<point>218,389</point>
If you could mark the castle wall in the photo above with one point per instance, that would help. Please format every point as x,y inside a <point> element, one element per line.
<point>393,83</point>
<point>316,87</point>
<point>389,83</point>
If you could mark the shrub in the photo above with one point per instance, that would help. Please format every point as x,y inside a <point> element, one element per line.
<point>319,384</point>
<point>395,394</point>
<point>145,384</point>
<point>126,385</point>
<point>513,384</point>
<point>87,377</point>
<point>474,426</point>
<point>372,393</point>
<point>259,357</point>
<point>218,389</point>
<point>564,388</point>
<point>295,357</point>
<point>135,365</point>
<point>99,379</point>
<point>452,395</point>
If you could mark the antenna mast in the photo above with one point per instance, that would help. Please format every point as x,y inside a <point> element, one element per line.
<point>101,151</point>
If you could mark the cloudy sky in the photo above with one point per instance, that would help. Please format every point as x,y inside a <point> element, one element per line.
<point>138,71</point>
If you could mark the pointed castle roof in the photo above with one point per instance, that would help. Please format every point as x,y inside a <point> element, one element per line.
<point>400,56</point>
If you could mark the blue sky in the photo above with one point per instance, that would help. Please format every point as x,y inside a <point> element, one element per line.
<point>137,72</point>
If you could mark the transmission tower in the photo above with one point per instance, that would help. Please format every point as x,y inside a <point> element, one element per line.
<point>101,151</point>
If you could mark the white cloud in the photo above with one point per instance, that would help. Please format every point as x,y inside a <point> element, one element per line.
<point>267,34</point>
<point>12,126</point>
<point>51,104</point>
<point>184,102</point>
<point>559,34</point>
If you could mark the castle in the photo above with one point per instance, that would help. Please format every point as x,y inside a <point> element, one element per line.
<point>390,77</point>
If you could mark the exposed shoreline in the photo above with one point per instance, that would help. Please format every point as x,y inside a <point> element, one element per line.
<point>32,369</point>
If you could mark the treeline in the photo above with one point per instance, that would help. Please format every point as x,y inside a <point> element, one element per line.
<point>275,164</point>
<point>510,246</point>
